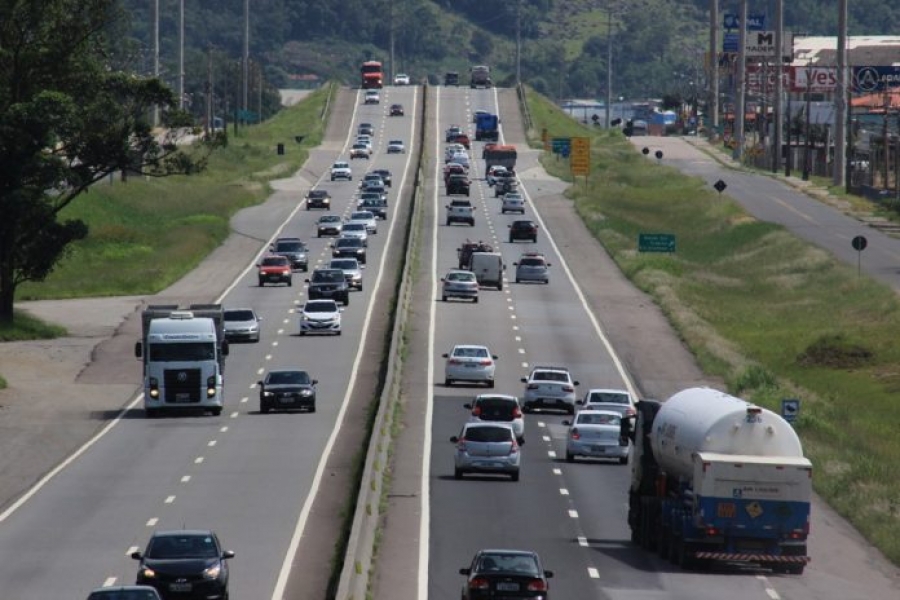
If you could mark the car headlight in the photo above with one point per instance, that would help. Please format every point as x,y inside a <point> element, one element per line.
<point>213,572</point>
<point>306,392</point>
<point>148,573</point>
<point>268,394</point>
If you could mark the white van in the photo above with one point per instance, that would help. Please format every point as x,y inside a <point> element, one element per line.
<point>488,268</point>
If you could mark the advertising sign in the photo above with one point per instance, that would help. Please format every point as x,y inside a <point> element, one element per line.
<point>813,79</point>
<point>580,159</point>
<point>875,79</point>
<point>754,22</point>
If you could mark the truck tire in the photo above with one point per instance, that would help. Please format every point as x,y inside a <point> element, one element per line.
<point>151,413</point>
<point>217,411</point>
<point>264,408</point>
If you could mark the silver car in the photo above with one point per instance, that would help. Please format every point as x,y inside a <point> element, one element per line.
<point>596,434</point>
<point>469,363</point>
<point>320,316</point>
<point>549,387</point>
<point>459,284</point>
<point>356,230</point>
<point>486,448</point>
<point>241,325</point>
<point>513,202</point>
<point>498,408</point>
<point>616,400</point>
<point>352,271</point>
<point>367,217</point>
<point>532,266</point>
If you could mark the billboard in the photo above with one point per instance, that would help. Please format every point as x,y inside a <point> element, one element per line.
<point>875,79</point>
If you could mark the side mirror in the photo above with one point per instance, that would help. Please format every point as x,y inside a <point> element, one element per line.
<point>579,402</point>
<point>259,383</point>
<point>138,350</point>
<point>626,431</point>
<point>454,439</point>
<point>548,574</point>
<point>515,264</point>
<point>315,381</point>
<point>567,422</point>
<point>524,380</point>
<point>445,355</point>
<point>306,280</point>
<point>136,555</point>
<point>465,571</point>
<point>494,356</point>
<point>468,405</point>
<point>576,383</point>
<point>228,554</point>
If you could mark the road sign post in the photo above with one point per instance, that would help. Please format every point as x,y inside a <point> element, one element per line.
<point>790,409</point>
<point>580,158</point>
<point>859,244</point>
<point>656,242</point>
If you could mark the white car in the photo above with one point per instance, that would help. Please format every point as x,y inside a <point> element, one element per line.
<point>401,79</point>
<point>498,408</point>
<point>452,149</point>
<point>352,271</point>
<point>357,230</point>
<point>549,387</point>
<point>596,434</point>
<point>616,400</point>
<point>341,170</point>
<point>367,218</point>
<point>360,151</point>
<point>459,284</point>
<point>513,202</point>
<point>461,158</point>
<point>396,147</point>
<point>365,140</point>
<point>493,173</point>
<point>372,97</point>
<point>320,316</point>
<point>469,363</point>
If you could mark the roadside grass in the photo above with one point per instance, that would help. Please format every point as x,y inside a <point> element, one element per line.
<point>26,327</point>
<point>145,234</point>
<point>771,315</point>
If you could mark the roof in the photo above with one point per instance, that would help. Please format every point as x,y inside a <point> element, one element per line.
<point>794,461</point>
<point>862,50</point>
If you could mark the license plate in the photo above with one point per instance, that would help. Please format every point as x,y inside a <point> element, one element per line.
<point>599,449</point>
<point>182,397</point>
<point>471,365</point>
<point>179,587</point>
<point>287,399</point>
<point>505,586</point>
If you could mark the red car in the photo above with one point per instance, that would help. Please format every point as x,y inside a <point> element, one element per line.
<point>274,269</point>
<point>461,138</point>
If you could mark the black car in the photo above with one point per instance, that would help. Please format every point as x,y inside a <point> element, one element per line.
<point>457,184</point>
<point>523,230</point>
<point>328,283</point>
<point>505,574</point>
<point>349,248</point>
<point>294,250</point>
<point>187,563</point>
<point>386,176</point>
<point>396,110</point>
<point>318,199</point>
<point>282,390</point>
<point>451,78</point>
<point>365,129</point>
<point>377,206</point>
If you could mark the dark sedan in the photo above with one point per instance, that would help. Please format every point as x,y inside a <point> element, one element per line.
<point>396,110</point>
<point>283,390</point>
<point>505,574</point>
<point>349,248</point>
<point>523,230</point>
<point>185,564</point>
<point>386,176</point>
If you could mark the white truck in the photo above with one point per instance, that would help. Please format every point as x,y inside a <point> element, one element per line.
<point>183,352</point>
<point>716,478</point>
<point>488,268</point>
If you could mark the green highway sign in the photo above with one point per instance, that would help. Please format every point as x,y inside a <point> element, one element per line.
<point>656,242</point>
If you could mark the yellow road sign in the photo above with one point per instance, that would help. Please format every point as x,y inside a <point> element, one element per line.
<point>580,157</point>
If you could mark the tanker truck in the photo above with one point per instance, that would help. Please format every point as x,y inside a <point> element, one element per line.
<point>717,479</point>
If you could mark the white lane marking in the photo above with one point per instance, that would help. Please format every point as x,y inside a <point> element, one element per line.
<point>582,541</point>
<point>224,428</point>
<point>512,316</point>
<point>573,514</point>
<point>185,478</point>
<point>524,365</point>
<point>170,499</point>
<point>280,332</point>
<point>234,415</point>
<point>551,453</point>
<point>286,321</point>
<point>211,443</point>
<point>253,385</point>
<point>541,424</point>
<point>275,343</point>
<point>546,438</point>
<point>518,338</point>
<point>131,550</point>
<point>268,357</point>
<point>772,594</point>
<point>593,573</point>
<point>244,400</point>
<point>260,370</point>
<point>109,581</point>
<point>521,350</point>
<point>152,522</point>
<point>515,327</point>
<point>300,526</point>
<point>198,460</point>
<point>563,492</point>
<point>557,471</point>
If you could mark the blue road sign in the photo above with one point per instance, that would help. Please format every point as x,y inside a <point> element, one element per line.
<point>562,146</point>
<point>754,22</point>
<point>790,409</point>
<point>875,79</point>
<point>731,42</point>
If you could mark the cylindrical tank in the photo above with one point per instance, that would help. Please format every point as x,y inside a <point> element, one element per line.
<point>707,420</point>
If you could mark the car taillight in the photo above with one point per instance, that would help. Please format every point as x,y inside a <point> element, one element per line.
<point>568,388</point>
<point>533,386</point>
<point>514,448</point>
<point>517,413</point>
<point>575,434</point>
<point>461,444</point>
<point>454,361</point>
<point>630,412</point>
<point>479,583</point>
<point>537,585</point>
<point>476,411</point>
<point>485,363</point>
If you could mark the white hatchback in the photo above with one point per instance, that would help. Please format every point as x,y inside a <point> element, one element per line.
<point>320,316</point>
<point>469,363</point>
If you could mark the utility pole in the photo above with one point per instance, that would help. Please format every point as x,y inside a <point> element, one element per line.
<point>840,121</point>
<point>181,54</point>
<point>391,25</point>
<point>739,110</point>
<point>807,127</point>
<point>518,43</point>
<point>779,86</point>
<point>155,55</point>
<point>609,23</point>
<point>209,90</point>
<point>246,65</point>
<point>713,65</point>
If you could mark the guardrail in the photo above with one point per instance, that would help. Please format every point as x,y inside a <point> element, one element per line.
<point>359,557</point>
<point>325,109</point>
<point>523,105</point>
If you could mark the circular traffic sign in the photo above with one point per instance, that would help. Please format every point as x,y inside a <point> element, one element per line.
<point>720,186</point>
<point>859,243</point>
<point>659,154</point>
<point>645,151</point>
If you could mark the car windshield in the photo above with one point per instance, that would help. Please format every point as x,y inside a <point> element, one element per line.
<point>531,262</point>
<point>551,376</point>
<point>330,219</point>
<point>470,352</point>
<point>124,595</point>
<point>361,215</point>
<point>318,194</point>
<point>239,315</point>
<point>290,247</point>
<point>496,407</point>
<point>396,142</point>
<point>608,397</point>
<point>181,352</point>
<point>329,276</point>
<point>349,242</point>
<point>508,563</point>
<point>340,165</point>
<point>182,546</point>
<point>344,263</point>
<point>370,196</point>
<point>488,434</point>
<point>355,227</point>
<point>288,378</point>
<point>460,276</point>
<point>320,307</point>
<point>274,261</point>
<point>597,419</point>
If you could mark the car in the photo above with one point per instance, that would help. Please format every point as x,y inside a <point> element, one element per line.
<point>494,173</point>
<point>318,199</point>
<point>356,230</point>
<point>486,448</point>
<point>274,269</point>
<point>352,271</point>
<point>184,563</point>
<point>460,211</point>
<point>328,283</point>
<point>453,169</point>
<point>371,178</point>
<point>386,176</point>
<point>464,253</point>
<point>451,78</point>
<point>479,113</point>
<point>125,592</point>
<point>365,140</point>
<point>532,266</point>
<point>320,316</point>
<point>341,170</point>
<point>461,138</point>
<point>367,218</point>
<point>498,408</point>
<point>374,204</point>
<point>345,247</point>
<point>616,400</point>
<point>452,149</point>
<point>461,158</point>
<point>360,151</point>
<point>523,229</point>
<point>285,389</point>
<point>376,186</point>
<point>372,97</point>
<point>596,434</point>
<point>365,129</point>
<point>549,387</point>
<point>294,249</point>
<point>452,132</point>
<point>505,185</point>
<point>505,574</point>
<point>396,110</point>
<point>512,202</point>
<point>241,325</point>
<point>459,284</point>
<point>401,79</point>
<point>396,147</point>
<point>470,363</point>
<point>329,225</point>
<point>457,184</point>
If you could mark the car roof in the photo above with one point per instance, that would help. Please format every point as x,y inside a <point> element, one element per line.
<point>481,397</point>
<point>480,424</point>
<point>480,347</point>
<point>183,532</point>
<point>611,413</point>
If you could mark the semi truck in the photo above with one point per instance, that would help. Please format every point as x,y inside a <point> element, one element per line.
<point>504,156</point>
<point>371,75</point>
<point>480,76</point>
<point>183,352</point>
<point>717,479</point>
<point>487,127</point>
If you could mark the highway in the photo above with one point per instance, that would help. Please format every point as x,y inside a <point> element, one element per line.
<point>249,477</point>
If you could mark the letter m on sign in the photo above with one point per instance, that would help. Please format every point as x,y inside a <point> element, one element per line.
<point>765,38</point>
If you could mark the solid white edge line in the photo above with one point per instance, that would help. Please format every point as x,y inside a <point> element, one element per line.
<point>284,573</point>
<point>425,495</point>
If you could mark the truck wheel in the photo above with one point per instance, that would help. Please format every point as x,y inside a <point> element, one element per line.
<point>500,286</point>
<point>443,298</point>
<point>570,458</point>
<point>217,411</point>
<point>448,222</point>
<point>312,408</point>
<point>151,413</point>
<point>448,382</point>
<point>457,474</point>
<point>263,408</point>
<point>289,283</point>
<point>514,476</point>
<point>261,283</point>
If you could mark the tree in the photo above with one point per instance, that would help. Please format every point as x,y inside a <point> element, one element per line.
<point>67,120</point>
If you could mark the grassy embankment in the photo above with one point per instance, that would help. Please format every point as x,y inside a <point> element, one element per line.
<point>772,315</point>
